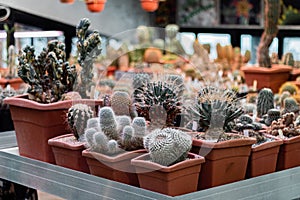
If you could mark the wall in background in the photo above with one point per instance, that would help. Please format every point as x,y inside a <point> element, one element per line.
<point>118,15</point>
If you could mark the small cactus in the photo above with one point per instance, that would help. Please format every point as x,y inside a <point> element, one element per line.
<point>127,137</point>
<point>290,105</point>
<point>168,146</point>
<point>93,123</point>
<point>272,115</point>
<point>122,121</point>
<point>77,117</point>
<point>265,101</point>
<point>100,143</point>
<point>108,123</point>
<point>290,87</point>
<point>89,137</point>
<point>139,125</point>
<point>121,103</point>
<point>288,59</point>
<point>113,147</point>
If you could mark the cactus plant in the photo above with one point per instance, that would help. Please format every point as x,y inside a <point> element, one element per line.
<point>290,105</point>
<point>265,101</point>
<point>89,47</point>
<point>122,121</point>
<point>49,76</point>
<point>89,137</point>
<point>121,103</point>
<point>289,87</point>
<point>93,123</point>
<point>108,123</point>
<point>77,117</point>
<point>288,59</point>
<point>271,16</point>
<point>159,94</point>
<point>272,115</point>
<point>168,146</point>
<point>127,137</point>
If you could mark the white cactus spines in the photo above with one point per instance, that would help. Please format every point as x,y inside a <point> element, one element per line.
<point>127,137</point>
<point>93,123</point>
<point>139,125</point>
<point>167,146</point>
<point>108,123</point>
<point>113,147</point>
<point>89,137</point>
<point>122,121</point>
<point>100,142</point>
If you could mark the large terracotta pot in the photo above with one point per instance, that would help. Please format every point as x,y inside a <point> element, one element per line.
<point>117,168</point>
<point>289,154</point>
<point>271,78</point>
<point>225,162</point>
<point>180,178</point>
<point>68,152</point>
<point>263,158</point>
<point>67,1</point>
<point>95,5</point>
<point>35,123</point>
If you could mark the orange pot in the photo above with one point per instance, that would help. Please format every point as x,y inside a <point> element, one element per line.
<point>67,1</point>
<point>149,5</point>
<point>95,5</point>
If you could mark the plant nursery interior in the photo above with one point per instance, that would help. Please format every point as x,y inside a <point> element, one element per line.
<point>149,99</point>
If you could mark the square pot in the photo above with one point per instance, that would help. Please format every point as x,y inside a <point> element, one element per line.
<point>117,168</point>
<point>180,178</point>
<point>68,152</point>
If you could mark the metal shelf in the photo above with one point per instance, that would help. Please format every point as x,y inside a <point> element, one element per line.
<point>70,184</point>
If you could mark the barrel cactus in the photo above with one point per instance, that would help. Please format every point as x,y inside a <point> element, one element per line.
<point>121,103</point>
<point>77,117</point>
<point>108,123</point>
<point>168,146</point>
<point>265,101</point>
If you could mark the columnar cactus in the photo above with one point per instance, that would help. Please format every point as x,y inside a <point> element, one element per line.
<point>265,101</point>
<point>121,103</point>
<point>93,123</point>
<point>89,137</point>
<point>49,75</point>
<point>77,117</point>
<point>127,137</point>
<point>108,123</point>
<point>100,142</point>
<point>168,146</point>
<point>271,16</point>
<point>122,121</point>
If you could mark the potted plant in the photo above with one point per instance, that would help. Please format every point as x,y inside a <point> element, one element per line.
<point>95,5</point>
<point>38,115</point>
<point>287,129</point>
<point>267,74</point>
<point>68,148</point>
<point>113,142</point>
<point>169,167</point>
<point>226,154</point>
<point>264,152</point>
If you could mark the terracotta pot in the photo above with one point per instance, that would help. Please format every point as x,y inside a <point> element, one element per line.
<point>95,5</point>
<point>271,78</point>
<point>67,151</point>
<point>117,168</point>
<point>149,5</point>
<point>67,1</point>
<point>36,123</point>
<point>225,162</point>
<point>263,158</point>
<point>14,82</point>
<point>152,55</point>
<point>177,179</point>
<point>289,154</point>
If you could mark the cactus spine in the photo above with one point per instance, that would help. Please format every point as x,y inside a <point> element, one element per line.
<point>108,123</point>
<point>265,101</point>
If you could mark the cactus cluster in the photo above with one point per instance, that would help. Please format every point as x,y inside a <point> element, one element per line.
<point>158,95</point>
<point>265,101</point>
<point>77,117</point>
<point>49,75</point>
<point>167,146</point>
<point>109,134</point>
<point>272,115</point>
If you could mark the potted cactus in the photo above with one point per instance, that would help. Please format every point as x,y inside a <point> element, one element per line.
<point>168,167</point>
<point>113,141</point>
<point>38,115</point>
<point>67,149</point>
<point>267,74</point>
<point>226,154</point>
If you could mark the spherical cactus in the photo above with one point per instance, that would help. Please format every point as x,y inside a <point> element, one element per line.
<point>89,137</point>
<point>123,121</point>
<point>127,138</point>
<point>257,126</point>
<point>108,123</point>
<point>77,116</point>
<point>272,115</point>
<point>290,87</point>
<point>290,105</point>
<point>168,146</point>
<point>121,103</point>
<point>100,143</point>
<point>265,101</point>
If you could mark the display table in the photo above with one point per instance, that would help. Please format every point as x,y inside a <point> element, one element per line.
<point>70,184</point>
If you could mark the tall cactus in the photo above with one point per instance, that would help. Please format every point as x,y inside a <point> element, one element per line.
<point>265,101</point>
<point>271,16</point>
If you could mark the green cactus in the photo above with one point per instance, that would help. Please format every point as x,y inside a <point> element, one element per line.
<point>159,94</point>
<point>265,101</point>
<point>89,48</point>
<point>168,146</point>
<point>108,123</point>
<point>290,105</point>
<point>288,59</point>
<point>121,103</point>
<point>49,76</point>
<point>122,121</point>
<point>77,117</point>
<point>272,115</point>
